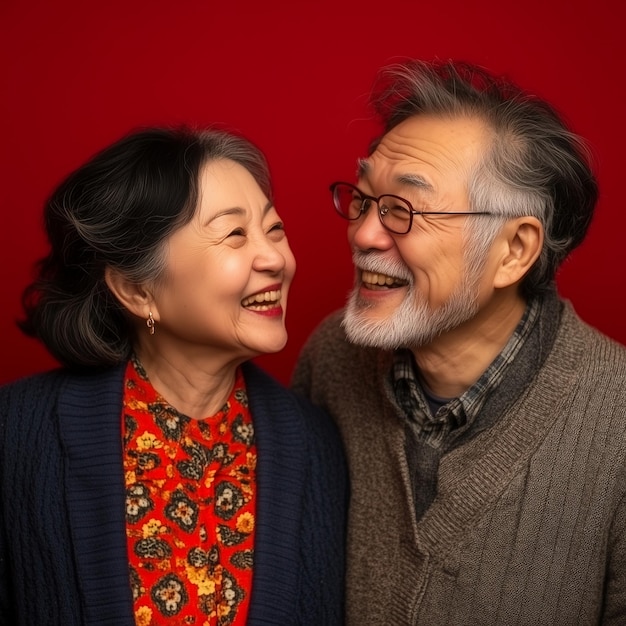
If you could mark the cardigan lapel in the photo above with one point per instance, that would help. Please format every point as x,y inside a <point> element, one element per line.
<point>90,422</point>
<point>281,481</point>
<point>497,455</point>
<point>90,416</point>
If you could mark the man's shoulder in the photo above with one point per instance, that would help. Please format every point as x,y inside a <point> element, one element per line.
<point>328,360</point>
<point>595,344</point>
<point>330,328</point>
<point>591,367</point>
<point>328,343</point>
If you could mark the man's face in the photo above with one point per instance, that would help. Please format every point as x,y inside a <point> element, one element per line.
<point>411,288</point>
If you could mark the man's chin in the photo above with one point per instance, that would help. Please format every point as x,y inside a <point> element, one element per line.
<point>365,330</point>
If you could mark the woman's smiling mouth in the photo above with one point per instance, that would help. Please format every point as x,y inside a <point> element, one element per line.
<point>263,301</point>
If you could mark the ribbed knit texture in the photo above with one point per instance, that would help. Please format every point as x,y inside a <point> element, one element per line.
<point>26,567</point>
<point>301,515</point>
<point>528,524</point>
<point>62,537</point>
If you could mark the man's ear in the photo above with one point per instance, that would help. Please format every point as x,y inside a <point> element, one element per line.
<point>135,298</point>
<point>522,243</point>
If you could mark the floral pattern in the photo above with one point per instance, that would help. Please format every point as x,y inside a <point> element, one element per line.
<point>190,507</point>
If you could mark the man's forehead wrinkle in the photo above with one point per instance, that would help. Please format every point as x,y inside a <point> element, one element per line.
<point>401,154</point>
<point>396,148</point>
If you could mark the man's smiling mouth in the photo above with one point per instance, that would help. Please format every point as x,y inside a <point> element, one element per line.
<point>374,280</point>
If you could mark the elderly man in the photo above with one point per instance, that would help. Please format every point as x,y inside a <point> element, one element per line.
<point>485,423</point>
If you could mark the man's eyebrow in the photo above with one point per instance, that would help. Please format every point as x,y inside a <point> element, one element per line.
<point>407,180</point>
<point>414,180</point>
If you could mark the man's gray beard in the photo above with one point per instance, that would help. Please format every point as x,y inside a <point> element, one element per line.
<point>413,323</point>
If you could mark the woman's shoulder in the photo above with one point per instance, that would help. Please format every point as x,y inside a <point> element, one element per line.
<point>42,389</point>
<point>58,376</point>
<point>25,401</point>
<point>37,383</point>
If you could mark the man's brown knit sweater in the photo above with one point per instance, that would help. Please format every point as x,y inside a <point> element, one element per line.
<point>528,526</point>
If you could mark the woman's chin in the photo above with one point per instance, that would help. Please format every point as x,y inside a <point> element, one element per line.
<point>272,347</point>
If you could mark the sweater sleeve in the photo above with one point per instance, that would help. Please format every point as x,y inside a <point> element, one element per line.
<point>33,530</point>
<point>614,613</point>
<point>323,525</point>
<point>7,614</point>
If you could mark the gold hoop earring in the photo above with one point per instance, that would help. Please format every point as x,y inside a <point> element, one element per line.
<point>150,323</point>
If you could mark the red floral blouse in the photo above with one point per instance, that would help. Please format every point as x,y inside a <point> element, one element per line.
<point>190,507</point>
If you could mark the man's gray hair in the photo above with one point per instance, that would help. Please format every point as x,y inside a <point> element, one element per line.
<point>535,165</point>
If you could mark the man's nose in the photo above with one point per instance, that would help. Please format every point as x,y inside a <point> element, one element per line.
<point>368,233</point>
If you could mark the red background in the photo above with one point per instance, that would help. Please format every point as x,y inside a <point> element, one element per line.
<point>293,77</point>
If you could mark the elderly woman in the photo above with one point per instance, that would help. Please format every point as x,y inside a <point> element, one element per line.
<point>159,476</point>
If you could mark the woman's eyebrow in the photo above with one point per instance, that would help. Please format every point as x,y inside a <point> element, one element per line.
<point>235,210</point>
<point>229,211</point>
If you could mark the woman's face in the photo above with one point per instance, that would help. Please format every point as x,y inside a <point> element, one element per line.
<point>228,272</point>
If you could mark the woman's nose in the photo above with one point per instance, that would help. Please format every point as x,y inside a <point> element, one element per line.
<point>271,256</point>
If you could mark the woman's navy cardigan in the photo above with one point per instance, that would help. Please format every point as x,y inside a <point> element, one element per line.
<point>63,558</point>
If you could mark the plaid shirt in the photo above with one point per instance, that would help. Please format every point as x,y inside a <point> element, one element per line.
<point>458,412</point>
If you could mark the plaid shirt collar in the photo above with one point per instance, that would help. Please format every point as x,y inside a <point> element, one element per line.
<point>458,412</point>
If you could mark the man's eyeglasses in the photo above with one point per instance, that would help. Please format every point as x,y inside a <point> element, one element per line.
<point>395,213</point>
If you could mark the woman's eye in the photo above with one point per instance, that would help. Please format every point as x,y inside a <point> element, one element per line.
<point>238,232</point>
<point>277,231</point>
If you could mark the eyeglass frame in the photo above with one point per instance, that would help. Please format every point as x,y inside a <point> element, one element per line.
<point>412,211</point>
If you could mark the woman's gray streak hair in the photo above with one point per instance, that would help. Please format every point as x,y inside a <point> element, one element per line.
<point>118,210</point>
<point>534,164</point>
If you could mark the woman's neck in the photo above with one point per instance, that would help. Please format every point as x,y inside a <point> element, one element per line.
<point>196,387</point>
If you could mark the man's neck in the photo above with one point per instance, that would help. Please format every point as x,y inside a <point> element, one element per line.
<point>454,361</point>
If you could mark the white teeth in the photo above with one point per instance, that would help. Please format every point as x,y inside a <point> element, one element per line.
<point>262,298</point>
<point>373,278</point>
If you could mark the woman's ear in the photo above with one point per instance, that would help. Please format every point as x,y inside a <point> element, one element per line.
<point>134,297</point>
<point>522,240</point>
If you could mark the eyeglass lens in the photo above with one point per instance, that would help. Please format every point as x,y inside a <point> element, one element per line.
<point>394,213</point>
